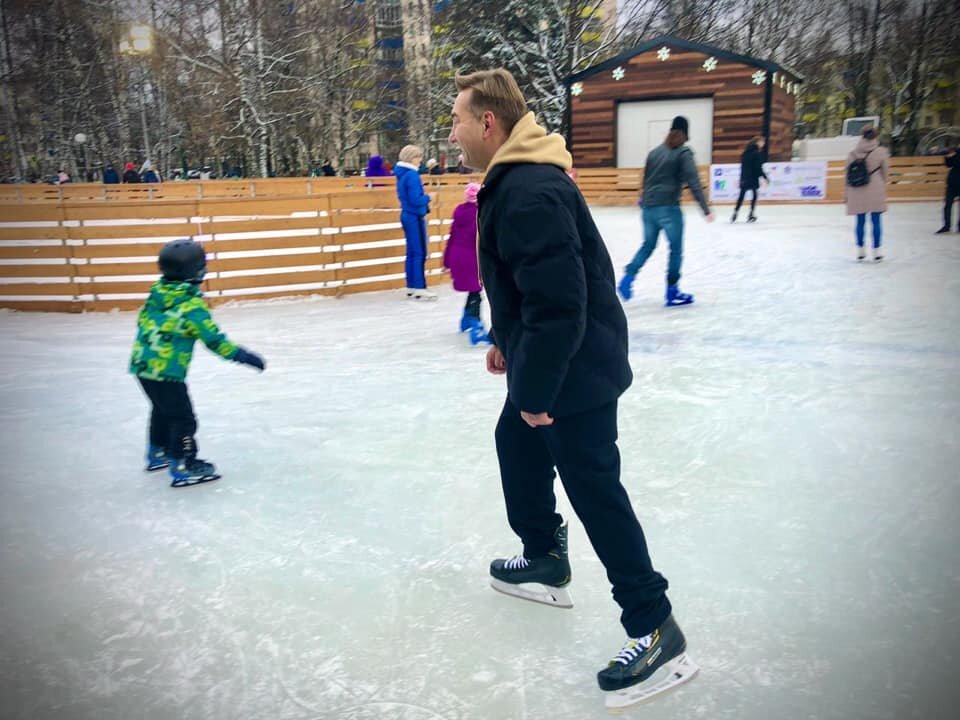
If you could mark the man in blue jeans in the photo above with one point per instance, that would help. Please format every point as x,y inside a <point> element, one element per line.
<point>669,167</point>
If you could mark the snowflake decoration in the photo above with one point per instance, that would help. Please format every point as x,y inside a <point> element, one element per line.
<point>663,53</point>
<point>576,89</point>
<point>710,64</point>
<point>618,73</point>
<point>759,77</point>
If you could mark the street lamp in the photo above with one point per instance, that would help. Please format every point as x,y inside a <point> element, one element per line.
<point>81,140</point>
<point>139,41</point>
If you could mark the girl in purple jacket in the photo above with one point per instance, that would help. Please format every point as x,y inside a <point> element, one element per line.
<point>460,257</point>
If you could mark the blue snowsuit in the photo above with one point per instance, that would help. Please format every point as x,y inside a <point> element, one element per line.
<point>414,205</point>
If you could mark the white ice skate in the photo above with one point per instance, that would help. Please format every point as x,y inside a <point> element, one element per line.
<point>421,294</point>
<point>671,675</point>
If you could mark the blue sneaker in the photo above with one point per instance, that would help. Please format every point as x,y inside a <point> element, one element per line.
<point>156,458</point>
<point>675,297</point>
<point>625,287</point>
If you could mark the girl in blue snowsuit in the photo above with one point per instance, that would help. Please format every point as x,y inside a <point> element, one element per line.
<point>414,206</point>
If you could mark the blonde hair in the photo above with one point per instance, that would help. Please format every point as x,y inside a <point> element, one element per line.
<point>410,152</point>
<point>495,91</point>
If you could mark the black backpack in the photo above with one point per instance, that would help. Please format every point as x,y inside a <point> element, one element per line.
<point>857,173</point>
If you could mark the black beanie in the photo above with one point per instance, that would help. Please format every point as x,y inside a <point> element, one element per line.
<point>680,123</point>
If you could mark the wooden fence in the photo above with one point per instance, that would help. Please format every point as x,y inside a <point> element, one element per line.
<point>80,255</point>
<point>80,247</point>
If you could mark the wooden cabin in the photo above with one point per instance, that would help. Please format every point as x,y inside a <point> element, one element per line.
<point>622,108</point>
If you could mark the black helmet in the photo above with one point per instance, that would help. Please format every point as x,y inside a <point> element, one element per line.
<point>183,260</point>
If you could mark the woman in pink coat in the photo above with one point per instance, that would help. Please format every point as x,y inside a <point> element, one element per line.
<point>460,257</point>
<point>872,196</point>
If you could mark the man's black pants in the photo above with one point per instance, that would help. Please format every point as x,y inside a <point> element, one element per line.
<point>583,449</point>
<point>171,420</point>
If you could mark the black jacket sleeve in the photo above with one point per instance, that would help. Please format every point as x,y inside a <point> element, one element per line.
<point>537,238</point>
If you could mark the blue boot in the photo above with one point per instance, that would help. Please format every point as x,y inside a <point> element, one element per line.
<point>156,458</point>
<point>625,287</point>
<point>192,471</point>
<point>478,334</point>
<point>675,297</point>
<point>466,322</point>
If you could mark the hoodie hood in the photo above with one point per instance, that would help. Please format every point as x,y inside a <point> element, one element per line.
<point>865,146</point>
<point>165,294</point>
<point>530,143</point>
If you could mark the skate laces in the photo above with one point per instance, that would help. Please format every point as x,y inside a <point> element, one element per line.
<point>632,648</point>
<point>517,562</point>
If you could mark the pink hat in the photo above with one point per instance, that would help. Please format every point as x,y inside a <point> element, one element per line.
<point>470,192</point>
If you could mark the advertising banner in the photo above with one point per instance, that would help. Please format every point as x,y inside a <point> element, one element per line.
<point>788,181</point>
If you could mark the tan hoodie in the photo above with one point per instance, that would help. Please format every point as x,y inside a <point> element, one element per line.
<point>530,143</point>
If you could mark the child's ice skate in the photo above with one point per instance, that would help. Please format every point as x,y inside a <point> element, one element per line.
<point>647,666</point>
<point>421,294</point>
<point>189,469</point>
<point>675,297</point>
<point>156,458</point>
<point>542,579</point>
<point>192,471</point>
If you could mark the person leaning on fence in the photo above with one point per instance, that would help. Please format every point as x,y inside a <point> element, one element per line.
<point>173,318</point>
<point>414,206</point>
<point>130,174</point>
<point>952,161</point>
<point>110,175</point>
<point>865,189</point>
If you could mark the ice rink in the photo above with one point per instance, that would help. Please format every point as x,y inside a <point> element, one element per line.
<point>791,444</point>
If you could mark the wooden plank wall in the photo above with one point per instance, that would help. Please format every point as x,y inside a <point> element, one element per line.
<point>912,179</point>
<point>81,255</point>
<point>737,109</point>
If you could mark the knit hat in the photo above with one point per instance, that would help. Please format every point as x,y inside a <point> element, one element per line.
<point>680,123</point>
<point>129,166</point>
<point>470,192</point>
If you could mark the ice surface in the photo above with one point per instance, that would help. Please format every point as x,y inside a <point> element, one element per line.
<point>790,444</point>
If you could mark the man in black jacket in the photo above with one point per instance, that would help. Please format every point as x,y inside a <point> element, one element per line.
<point>952,161</point>
<point>560,336</point>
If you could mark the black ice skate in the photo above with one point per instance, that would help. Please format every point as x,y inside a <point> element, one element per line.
<point>542,579</point>
<point>647,666</point>
<point>189,469</point>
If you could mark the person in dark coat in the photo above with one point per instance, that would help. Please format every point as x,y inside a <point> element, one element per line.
<point>952,161</point>
<point>110,175</point>
<point>751,170</point>
<point>559,335</point>
<point>130,174</point>
<point>327,168</point>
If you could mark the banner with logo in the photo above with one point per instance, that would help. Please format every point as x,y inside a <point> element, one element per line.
<point>788,181</point>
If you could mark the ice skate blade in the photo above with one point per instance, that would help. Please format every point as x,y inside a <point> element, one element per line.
<point>671,675</point>
<point>191,483</point>
<point>535,592</point>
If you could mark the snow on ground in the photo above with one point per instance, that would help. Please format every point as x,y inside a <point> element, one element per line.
<point>790,444</point>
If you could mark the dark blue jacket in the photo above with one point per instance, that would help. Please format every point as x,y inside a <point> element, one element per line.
<point>410,191</point>
<point>110,176</point>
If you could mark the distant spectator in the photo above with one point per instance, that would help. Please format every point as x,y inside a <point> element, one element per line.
<point>63,177</point>
<point>110,175</point>
<point>433,167</point>
<point>461,168</point>
<point>206,173</point>
<point>375,167</point>
<point>952,161</point>
<point>148,174</point>
<point>130,174</point>
<point>868,194</point>
<point>327,168</point>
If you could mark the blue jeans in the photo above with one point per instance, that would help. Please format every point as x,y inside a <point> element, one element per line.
<point>415,230</point>
<point>669,219</point>
<point>861,226</point>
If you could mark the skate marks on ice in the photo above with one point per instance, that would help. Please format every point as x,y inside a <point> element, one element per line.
<point>672,675</point>
<point>535,592</point>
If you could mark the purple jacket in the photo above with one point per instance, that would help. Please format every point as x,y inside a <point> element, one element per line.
<point>460,254</point>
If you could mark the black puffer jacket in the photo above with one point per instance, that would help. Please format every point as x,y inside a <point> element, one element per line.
<point>550,281</point>
<point>751,168</point>
<point>953,177</point>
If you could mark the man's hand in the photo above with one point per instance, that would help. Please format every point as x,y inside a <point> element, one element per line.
<point>710,217</point>
<point>535,420</point>
<point>496,365</point>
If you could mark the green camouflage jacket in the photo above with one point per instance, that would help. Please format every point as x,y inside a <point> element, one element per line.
<point>171,320</point>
